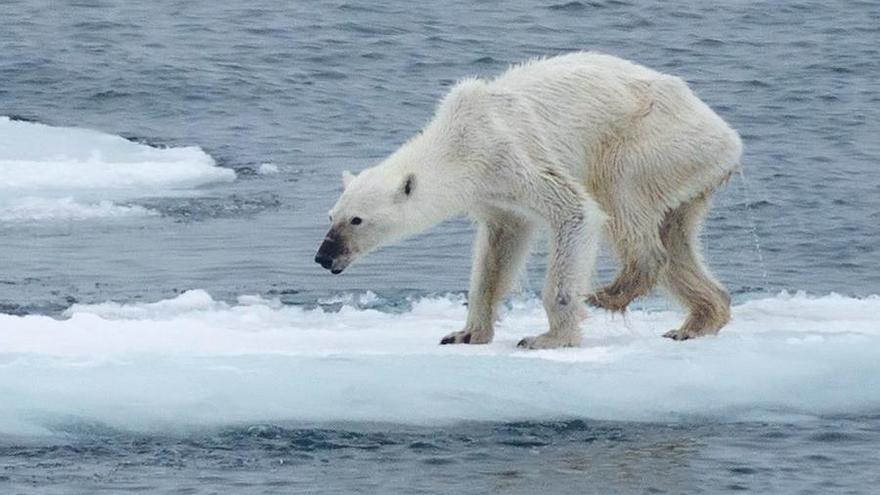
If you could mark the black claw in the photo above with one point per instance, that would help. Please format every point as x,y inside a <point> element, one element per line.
<point>467,338</point>
<point>450,339</point>
<point>523,343</point>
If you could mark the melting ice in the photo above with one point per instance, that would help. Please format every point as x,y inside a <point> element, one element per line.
<point>68,173</point>
<point>196,360</point>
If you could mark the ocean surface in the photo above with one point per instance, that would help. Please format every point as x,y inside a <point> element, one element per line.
<point>165,173</point>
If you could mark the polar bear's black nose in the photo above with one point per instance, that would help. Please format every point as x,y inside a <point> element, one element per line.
<point>330,249</point>
<point>325,261</point>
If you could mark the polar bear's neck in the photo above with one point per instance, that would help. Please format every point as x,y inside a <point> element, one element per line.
<point>440,191</point>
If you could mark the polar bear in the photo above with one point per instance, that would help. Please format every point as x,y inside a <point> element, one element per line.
<point>586,144</point>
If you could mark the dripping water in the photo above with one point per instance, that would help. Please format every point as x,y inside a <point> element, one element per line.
<point>753,227</point>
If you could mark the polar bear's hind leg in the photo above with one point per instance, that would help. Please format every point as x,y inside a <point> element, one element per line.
<point>687,277</point>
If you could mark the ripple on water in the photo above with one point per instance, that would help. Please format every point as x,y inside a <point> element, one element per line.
<point>559,454</point>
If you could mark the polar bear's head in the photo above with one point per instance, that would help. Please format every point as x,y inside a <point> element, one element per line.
<point>375,209</point>
<point>432,177</point>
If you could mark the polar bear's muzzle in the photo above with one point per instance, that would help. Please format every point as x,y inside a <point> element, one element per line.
<point>333,254</point>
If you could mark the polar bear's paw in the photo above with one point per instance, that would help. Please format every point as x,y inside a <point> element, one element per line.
<point>687,334</point>
<point>677,334</point>
<point>467,337</point>
<point>700,324</point>
<point>551,341</point>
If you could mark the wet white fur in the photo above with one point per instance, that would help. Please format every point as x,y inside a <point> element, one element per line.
<point>573,142</point>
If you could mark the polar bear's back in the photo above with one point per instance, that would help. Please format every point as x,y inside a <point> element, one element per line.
<point>600,116</point>
<point>538,72</point>
<point>594,90</point>
<point>588,93</point>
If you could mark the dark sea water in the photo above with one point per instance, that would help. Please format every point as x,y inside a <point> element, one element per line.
<point>318,87</point>
<point>564,457</point>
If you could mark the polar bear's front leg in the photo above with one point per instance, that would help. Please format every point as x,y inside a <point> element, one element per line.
<point>575,222</point>
<point>500,250</point>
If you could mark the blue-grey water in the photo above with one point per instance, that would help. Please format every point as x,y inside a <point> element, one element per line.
<point>319,87</point>
<point>564,457</point>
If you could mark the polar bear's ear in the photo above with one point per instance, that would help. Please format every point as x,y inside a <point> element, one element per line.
<point>409,184</point>
<point>347,177</point>
<point>406,188</point>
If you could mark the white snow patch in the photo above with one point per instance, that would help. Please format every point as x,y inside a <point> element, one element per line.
<point>43,209</point>
<point>267,169</point>
<point>195,360</point>
<point>71,173</point>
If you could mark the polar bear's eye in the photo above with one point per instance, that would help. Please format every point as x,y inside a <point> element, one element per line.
<point>356,221</point>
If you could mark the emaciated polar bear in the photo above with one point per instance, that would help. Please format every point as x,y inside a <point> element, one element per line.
<point>583,143</point>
